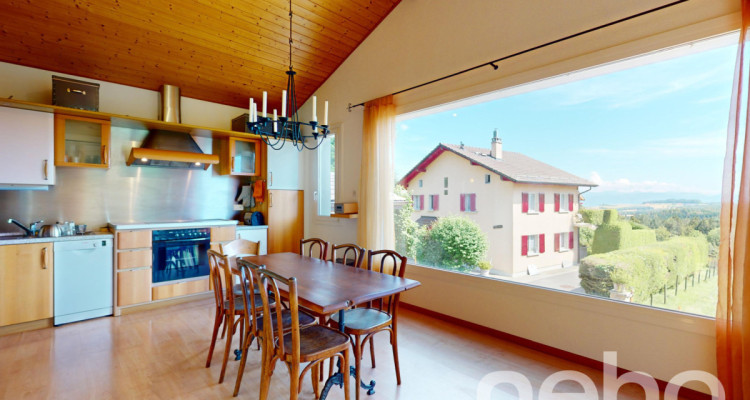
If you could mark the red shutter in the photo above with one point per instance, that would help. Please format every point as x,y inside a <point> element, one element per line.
<point>570,240</point>
<point>557,242</point>
<point>524,202</point>
<point>541,243</point>
<point>524,245</point>
<point>557,202</point>
<point>463,202</point>
<point>435,201</point>
<point>421,202</point>
<point>541,202</point>
<point>473,202</point>
<point>570,202</point>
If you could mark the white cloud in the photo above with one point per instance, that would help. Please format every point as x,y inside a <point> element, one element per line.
<point>625,185</point>
<point>404,127</point>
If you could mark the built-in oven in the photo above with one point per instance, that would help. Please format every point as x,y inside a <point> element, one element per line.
<point>180,253</point>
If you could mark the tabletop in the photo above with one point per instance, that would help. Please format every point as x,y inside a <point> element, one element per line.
<point>326,287</point>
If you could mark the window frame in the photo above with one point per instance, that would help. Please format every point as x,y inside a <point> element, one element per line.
<point>321,161</point>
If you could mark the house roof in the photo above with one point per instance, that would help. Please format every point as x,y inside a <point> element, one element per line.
<point>514,167</point>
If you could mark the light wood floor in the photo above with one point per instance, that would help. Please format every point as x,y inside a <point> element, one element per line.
<point>160,354</point>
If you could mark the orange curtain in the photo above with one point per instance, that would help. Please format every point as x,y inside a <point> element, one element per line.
<point>375,223</point>
<point>733,308</point>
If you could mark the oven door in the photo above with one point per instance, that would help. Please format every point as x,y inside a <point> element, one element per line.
<point>180,259</point>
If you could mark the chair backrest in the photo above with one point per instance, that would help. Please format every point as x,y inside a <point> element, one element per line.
<point>248,295</point>
<point>348,254</point>
<point>240,247</point>
<point>225,277</point>
<point>391,263</point>
<point>273,336</point>
<point>312,244</point>
<point>215,272</point>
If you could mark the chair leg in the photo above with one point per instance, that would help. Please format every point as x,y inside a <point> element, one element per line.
<point>372,351</point>
<point>266,373</point>
<point>217,324</point>
<point>394,345</point>
<point>345,368</point>
<point>294,385</point>
<point>314,372</point>
<point>357,365</point>
<point>243,361</point>
<point>228,347</point>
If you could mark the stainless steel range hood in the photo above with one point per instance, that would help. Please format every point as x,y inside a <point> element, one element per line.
<point>170,150</point>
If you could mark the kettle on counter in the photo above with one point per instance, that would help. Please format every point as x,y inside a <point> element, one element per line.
<point>51,231</point>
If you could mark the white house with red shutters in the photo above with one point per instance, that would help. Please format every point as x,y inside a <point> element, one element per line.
<point>526,208</point>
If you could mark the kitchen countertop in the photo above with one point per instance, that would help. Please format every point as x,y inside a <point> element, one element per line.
<point>26,240</point>
<point>172,224</point>
<point>248,227</point>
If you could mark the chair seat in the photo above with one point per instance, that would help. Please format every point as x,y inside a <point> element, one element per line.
<point>238,306</point>
<point>363,319</point>
<point>316,340</point>
<point>305,319</point>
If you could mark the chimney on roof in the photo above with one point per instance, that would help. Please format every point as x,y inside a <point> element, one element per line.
<point>496,151</point>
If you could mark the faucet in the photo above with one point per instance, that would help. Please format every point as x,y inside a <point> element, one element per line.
<point>28,231</point>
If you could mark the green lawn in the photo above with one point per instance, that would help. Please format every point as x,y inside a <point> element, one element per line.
<point>699,299</point>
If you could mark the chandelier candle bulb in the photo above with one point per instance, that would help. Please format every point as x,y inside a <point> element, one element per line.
<point>283,103</point>
<point>275,118</point>
<point>325,113</point>
<point>250,111</point>
<point>265,98</point>
<point>315,109</point>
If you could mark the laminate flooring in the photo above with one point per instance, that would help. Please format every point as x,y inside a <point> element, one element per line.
<point>161,353</point>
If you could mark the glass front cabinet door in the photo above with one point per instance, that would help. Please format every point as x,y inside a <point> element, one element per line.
<point>242,157</point>
<point>81,142</point>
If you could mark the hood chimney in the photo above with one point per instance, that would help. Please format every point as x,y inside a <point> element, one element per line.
<point>496,151</point>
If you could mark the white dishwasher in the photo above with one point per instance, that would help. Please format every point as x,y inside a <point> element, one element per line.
<point>83,279</point>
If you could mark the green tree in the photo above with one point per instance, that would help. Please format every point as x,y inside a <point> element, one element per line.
<point>407,231</point>
<point>453,242</point>
<point>585,236</point>
<point>662,234</point>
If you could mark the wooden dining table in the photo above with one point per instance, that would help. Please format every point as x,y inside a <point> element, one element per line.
<point>326,287</point>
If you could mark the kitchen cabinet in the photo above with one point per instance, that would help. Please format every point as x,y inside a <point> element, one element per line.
<point>241,157</point>
<point>27,151</point>
<point>26,272</point>
<point>283,168</point>
<point>82,142</point>
<point>133,287</point>
<point>286,216</point>
<point>256,235</point>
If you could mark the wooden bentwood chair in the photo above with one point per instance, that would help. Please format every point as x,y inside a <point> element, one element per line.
<point>312,344</point>
<point>350,254</point>
<point>312,244</point>
<point>227,306</point>
<point>371,319</point>
<point>239,248</point>
<point>254,317</point>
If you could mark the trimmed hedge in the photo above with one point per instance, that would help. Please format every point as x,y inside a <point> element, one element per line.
<point>644,270</point>
<point>615,234</point>
<point>590,216</point>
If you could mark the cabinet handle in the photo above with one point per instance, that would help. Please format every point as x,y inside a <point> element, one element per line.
<point>44,258</point>
<point>105,156</point>
<point>46,173</point>
<point>83,92</point>
<point>270,199</point>
<point>231,166</point>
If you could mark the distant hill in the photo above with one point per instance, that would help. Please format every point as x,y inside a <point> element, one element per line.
<point>598,199</point>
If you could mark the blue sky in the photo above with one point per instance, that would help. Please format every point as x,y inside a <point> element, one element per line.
<point>658,128</point>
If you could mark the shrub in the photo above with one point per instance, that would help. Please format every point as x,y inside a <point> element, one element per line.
<point>662,234</point>
<point>615,234</point>
<point>644,270</point>
<point>485,265</point>
<point>714,237</point>
<point>406,230</point>
<point>452,242</point>
<point>590,216</point>
<point>585,236</point>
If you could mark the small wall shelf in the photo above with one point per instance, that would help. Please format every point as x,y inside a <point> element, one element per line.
<point>344,215</point>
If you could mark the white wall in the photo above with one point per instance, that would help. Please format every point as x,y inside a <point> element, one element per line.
<point>425,39</point>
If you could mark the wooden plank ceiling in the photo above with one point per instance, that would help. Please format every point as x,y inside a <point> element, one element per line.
<point>222,51</point>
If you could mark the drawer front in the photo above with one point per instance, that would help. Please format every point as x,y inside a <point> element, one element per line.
<point>133,287</point>
<point>179,289</point>
<point>222,233</point>
<point>134,239</point>
<point>134,259</point>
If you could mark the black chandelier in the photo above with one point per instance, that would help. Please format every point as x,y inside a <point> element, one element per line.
<point>279,130</point>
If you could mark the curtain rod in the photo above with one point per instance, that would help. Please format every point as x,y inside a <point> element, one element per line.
<point>494,65</point>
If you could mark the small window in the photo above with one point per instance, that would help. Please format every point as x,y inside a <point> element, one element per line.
<point>327,176</point>
<point>445,192</point>
<point>563,203</point>
<point>445,182</point>
<point>468,202</point>
<point>417,202</point>
<point>532,245</point>
<point>420,183</point>
<point>532,203</point>
<point>487,178</point>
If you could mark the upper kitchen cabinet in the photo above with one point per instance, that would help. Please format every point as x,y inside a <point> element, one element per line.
<point>283,168</point>
<point>81,142</point>
<point>27,150</point>
<point>241,157</point>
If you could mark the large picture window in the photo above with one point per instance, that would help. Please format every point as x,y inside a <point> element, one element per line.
<point>626,159</point>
